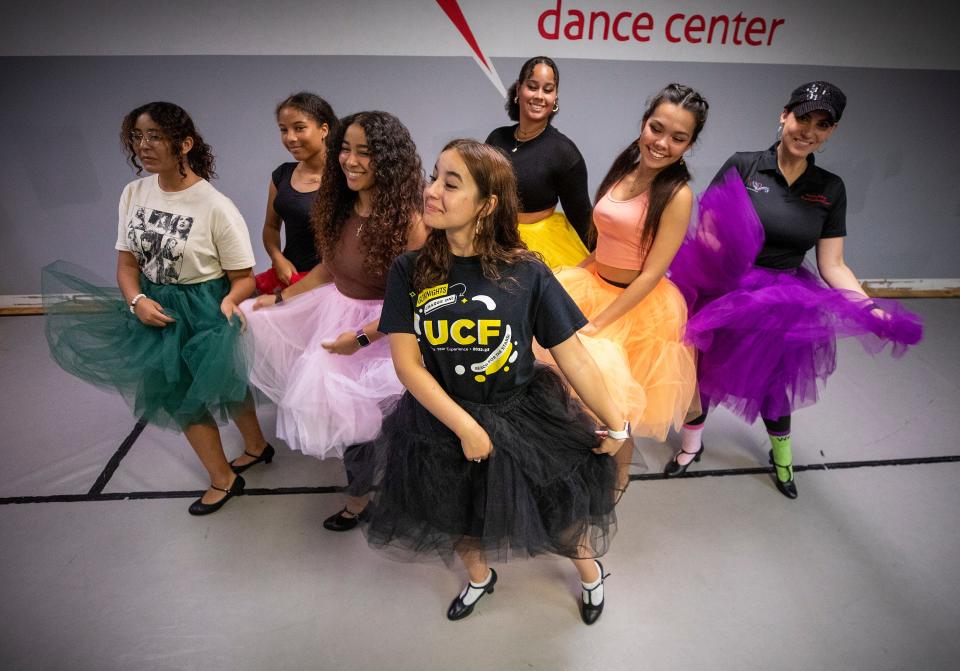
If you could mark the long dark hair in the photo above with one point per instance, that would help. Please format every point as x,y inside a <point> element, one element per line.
<point>513,108</point>
<point>497,241</point>
<point>177,126</point>
<point>398,195</point>
<point>669,180</point>
<point>316,108</point>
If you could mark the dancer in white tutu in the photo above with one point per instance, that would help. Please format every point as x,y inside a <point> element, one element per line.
<point>319,355</point>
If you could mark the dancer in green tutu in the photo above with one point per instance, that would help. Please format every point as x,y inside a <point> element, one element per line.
<point>168,339</point>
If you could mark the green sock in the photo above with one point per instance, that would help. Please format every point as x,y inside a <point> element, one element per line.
<point>782,457</point>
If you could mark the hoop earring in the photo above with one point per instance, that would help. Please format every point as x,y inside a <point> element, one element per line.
<point>822,147</point>
<point>682,162</point>
<point>515,100</point>
<point>779,132</point>
<point>556,106</point>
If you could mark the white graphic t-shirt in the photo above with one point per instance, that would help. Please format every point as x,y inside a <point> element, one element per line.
<point>182,237</point>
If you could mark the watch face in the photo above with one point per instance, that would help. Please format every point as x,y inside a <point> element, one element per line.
<point>362,339</point>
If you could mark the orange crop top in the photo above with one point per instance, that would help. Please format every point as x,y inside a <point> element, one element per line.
<point>619,225</point>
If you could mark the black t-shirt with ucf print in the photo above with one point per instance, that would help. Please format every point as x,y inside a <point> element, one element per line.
<point>475,334</point>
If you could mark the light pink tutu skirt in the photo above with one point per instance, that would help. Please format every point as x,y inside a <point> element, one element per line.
<point>325,401</point>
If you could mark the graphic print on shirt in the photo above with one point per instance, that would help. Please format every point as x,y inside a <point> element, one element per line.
<point>466,327</point>
<point>157,239</point>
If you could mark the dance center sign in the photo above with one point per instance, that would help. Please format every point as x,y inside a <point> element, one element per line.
<point>857,33</point>
<point>597,24</point>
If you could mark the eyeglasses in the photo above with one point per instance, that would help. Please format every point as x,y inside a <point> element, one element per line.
<point>150,137</point>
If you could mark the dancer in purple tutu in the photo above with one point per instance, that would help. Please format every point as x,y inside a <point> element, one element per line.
<point>765,324</point>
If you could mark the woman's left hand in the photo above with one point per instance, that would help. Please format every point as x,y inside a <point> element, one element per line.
<point>346,344</point>
<point>229,309</point>
<point>608,445</point>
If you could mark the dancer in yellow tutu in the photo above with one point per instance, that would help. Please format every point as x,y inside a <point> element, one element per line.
<point>636,314</point>
<point>548,166</point>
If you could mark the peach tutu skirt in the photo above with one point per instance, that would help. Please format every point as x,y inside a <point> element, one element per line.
<point>555,239</point>
<point>647,368</point>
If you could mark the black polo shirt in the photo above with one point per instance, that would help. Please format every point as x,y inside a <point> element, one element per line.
<point>794,217</point>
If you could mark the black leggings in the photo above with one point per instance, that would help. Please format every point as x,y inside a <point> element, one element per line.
<point>359,463</point>
<point>779,426</point>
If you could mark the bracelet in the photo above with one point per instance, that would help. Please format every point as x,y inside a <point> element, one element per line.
<point>278,294</point>
<point>620,435</point>
<point>134,301</point>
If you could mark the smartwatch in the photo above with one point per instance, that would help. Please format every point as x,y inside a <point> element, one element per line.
<point>620,435</point>
<point>362,339</point>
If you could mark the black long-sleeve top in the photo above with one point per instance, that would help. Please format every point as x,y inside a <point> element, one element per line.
<point>548,167</point>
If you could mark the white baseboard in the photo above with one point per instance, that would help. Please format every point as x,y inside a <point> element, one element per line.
<point>914,284</point>
<point>31,301</point>
<point>899,287</point>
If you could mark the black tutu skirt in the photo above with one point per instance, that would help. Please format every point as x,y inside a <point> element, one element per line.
<point>542,490</point>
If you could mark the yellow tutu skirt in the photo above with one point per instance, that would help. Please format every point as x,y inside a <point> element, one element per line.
<point>555,239</point>
<point>647,369</point>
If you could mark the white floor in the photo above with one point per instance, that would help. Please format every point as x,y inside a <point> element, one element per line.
<point>712,572</point>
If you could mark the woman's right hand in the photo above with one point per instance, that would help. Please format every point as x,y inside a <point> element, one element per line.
<point>476,443</point>
<point>264,300</point>
<point>150,312</point>
<point>283,268</point>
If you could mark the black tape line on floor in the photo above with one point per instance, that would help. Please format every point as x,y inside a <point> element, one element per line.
<point>797,468</point>
<point>177,494</point>
<point>286,491</point>
<point>115,460</point>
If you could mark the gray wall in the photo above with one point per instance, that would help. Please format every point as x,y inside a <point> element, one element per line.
<point>64,170</point>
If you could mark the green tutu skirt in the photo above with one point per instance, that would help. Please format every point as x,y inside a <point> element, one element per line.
<point>193,371</point>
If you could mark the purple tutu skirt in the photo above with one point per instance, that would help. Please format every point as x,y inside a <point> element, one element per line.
<point>767,338</point>
<point>325,402</point>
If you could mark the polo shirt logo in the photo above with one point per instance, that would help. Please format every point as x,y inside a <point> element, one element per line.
<point>757,187</point>
<point>815,198</point>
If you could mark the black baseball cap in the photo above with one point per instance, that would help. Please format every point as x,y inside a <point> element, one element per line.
<point>817,96</point>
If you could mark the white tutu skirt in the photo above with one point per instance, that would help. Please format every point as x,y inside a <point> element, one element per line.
<point>325,402</point>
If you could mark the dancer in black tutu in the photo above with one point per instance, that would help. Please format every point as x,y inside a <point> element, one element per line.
<point>487,453</point>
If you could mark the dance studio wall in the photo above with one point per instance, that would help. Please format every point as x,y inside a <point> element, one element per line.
<point>69,72</point>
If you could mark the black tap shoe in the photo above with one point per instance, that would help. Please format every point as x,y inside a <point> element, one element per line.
<point>459,610</point>
<point>674,468</point>
<point>198,507</point>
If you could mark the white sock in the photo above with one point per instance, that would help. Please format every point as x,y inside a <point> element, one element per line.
<point>594,597</point>
<point>474,591</point>
<point>690,439</point>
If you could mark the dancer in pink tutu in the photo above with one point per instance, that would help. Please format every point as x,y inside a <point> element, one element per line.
<point>318,353</point>
<point>765,324</point>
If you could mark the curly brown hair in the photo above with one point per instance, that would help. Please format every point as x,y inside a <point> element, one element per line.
<point>397,197</point>
<point>497,240</point>
<point>177,126</point>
